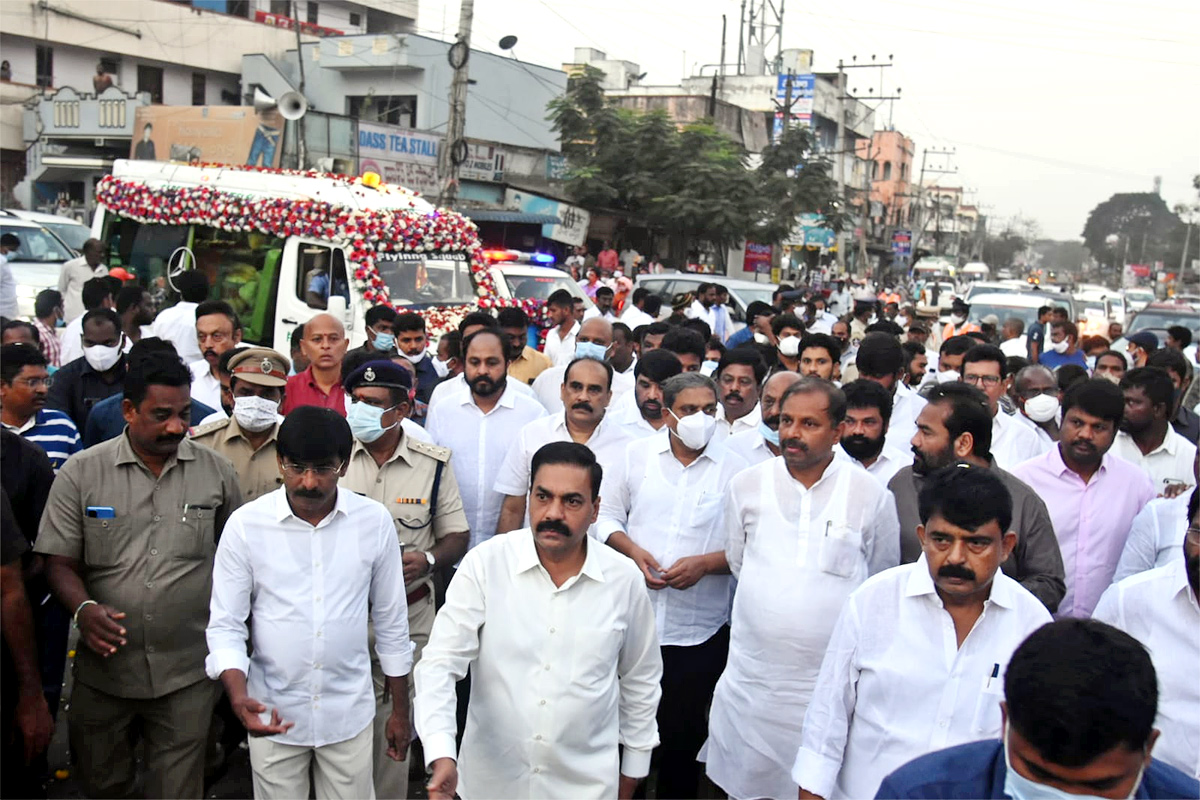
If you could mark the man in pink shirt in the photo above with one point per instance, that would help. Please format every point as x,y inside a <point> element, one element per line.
<point>1092,495</point>
<point>609,259</point>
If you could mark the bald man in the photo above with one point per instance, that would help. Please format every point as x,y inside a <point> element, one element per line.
<point>594,340</point>
<point>324,345</point>
<point>762,443</point>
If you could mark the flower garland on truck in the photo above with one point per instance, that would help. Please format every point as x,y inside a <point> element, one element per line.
<point>362,233</point>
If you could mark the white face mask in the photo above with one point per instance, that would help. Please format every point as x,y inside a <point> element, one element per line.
<point>1018,787</point>
<point>708,368</point>
<point>101,357</point>
<point>1059,347</point>
<point>442,368</point>
<point>761,338</point>
<point>695,431</point>
<point>789,346</point>
<point>255,414</point>
<point>949,376</point>
<point>957,319</point>
<point>1041,408</point>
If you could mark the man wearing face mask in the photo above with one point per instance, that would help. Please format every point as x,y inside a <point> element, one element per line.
<point>1062,348</point>
<point>663,506</point>
<point>594,340</point>
<point>1111,365</point>
<point>585,394</point>
<point>1038,400</point>
<point>414,481</point>
<point>956,427</point>
<point>739,374</point>
<point>257,377</point>
<point>864,441</point>
<point>413,343</point>
<point>959,324</point>
<point>949,360</point>
<point>758,326</point>
<point>881,359</point>
<point>1141,345</point>
<point>762,444</point>
<point>644,416</point>
<point>381,340</point>
<point>788,329</point>
<point>85,381</point>
<point>1080,700</point>
<point>803,531</point>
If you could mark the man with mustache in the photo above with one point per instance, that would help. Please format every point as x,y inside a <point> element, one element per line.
<point>218,330</point>
<point>663,507</point>
<point>803,531</point>
<point>864,441</point>
<point>585,394</point>
<point>593,340</point>
<point>762,444</point>
<point>739,374</point>
<point>558,633</point>
<point>129,532</point>
<point>1146,437</point>
<point>24,383</point>
<point>644,415</point>
<point>924,659</point>
<point>881,359</point>
<point>1092,495</point>
<point>954,428</point>
<point>482,421</point>
<point>1159,609</point>
<point>819,352</point>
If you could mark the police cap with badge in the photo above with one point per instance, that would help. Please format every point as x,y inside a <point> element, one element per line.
<point>381,372</point>
<point>260,365</point>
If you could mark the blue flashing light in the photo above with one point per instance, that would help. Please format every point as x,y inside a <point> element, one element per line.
<point>543,258</point>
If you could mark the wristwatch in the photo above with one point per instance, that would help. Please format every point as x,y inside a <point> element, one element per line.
<point>432,561</point>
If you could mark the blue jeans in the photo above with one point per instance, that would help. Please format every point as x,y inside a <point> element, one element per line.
<point>263,147</point>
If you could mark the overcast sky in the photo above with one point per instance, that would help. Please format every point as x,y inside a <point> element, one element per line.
<point>1052,105</point>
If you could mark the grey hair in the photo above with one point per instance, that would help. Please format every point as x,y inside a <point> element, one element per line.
<point>673,386</point>
<point>1025,372</point>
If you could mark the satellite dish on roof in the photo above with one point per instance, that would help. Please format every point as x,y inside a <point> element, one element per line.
<point>508,42</point>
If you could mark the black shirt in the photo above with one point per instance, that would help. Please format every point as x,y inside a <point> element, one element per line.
<point>77,387</point>
<point>26,475</point>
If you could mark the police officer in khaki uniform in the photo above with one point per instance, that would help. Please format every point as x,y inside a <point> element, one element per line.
<point>257,377</point>
<point>130,530</point>
<point>415,482</point>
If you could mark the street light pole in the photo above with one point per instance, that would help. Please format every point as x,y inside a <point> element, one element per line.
<point>454,151</point>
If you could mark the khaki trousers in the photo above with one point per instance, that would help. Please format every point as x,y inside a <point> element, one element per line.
<point>391,777</point>
<point>174,731</point>
<point>341,771</point>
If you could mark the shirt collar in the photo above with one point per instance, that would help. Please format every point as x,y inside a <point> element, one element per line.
<point>1060,468</point>
<point>527,557</point>
<point>126,454</point>
<point>234,431</point>
<point>920,582</point>
<point>283,509</point>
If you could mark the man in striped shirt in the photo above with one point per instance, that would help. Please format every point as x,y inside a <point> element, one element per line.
<point>47,312</point>
<point>24,384</point>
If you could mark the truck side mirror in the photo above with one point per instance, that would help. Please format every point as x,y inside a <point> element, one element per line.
<point>338,307</point>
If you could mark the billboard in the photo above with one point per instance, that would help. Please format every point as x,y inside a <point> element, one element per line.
<point>208,134</point>
<point>803,90</point>
<point>573,221</point>
<point>902,243</point>
<point>402,157</point>
<point>757,258</point>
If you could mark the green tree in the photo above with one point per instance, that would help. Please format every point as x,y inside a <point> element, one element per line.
<point>792,181</point>
<point>1135,226</point>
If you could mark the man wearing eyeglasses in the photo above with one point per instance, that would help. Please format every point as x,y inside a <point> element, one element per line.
<point>24,384</point>
<point>218,329</point>
<point>310,564</point>
<point>986,367</point>
<point>413,480</point>
<point>917,658</point>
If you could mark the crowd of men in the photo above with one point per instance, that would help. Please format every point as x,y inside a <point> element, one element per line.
<point>825,551</point>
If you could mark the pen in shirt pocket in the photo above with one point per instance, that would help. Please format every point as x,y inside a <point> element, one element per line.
<point>995,674</point>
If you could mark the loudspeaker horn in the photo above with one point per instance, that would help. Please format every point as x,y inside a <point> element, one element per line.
<point>293,106</point>
<point>262,101</point>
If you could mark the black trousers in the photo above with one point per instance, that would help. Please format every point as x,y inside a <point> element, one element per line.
<point>690,675</point>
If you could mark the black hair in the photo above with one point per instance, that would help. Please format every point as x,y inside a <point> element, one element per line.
<point>1155,382</point>
<point>1060,310</point>
<point>1098,397</point>
<point>560,298</point>
<point>353,360</point>
<point>699,326</point>
<point>1068,375</point>
<point>380,313</point>
<point>658,365</point>
<point>809,385</point>
<point>885,326</point>
<point>512,317</point>
<point>879,356</point>
<point>46,301</point>
<point>192,285</point>
<point>969,413</point>
<point>608,370</point>
<point>986,352</point>
<point>20,323</point>
<point>966,496</point>
<point>483,318</point>
<point>957,346</point>
<point>129,296</point>
<point>1014,323</point>
<point>977,336</point>
<point>210,307</point>
<point>782,321</point>
<point>702,288</point>
<point>863,393</point>
<point>1116,354</point>
<point>911,351</point>
<point>746,356</point>
<point>683,341</point>
<point>311,434</point>
<point>1193,504</point>
<point>453,341</point>
<point>115,284</point>
<point>653,305</point>
<point>623,329</point>
<point>1181,334</point>
<point>225,358</point>
<point>15,357</point>
<point>653,329</point>
<point>492,331</point>
<point>1068,328</point>
<point>1077,688</point>
<point>715,343</point>
<point>410,321</point>
<point>149,345</point>
<point>822,341</point>
<point>95,291</point>
<point>569,454</point>
<point>604,290</point>
<point>1043,311</point>
<point>154,369</point>
<point>639,294</point>
<point>297,336</point>
<point>10,240</point>
<point>757,309</point>
<point>1170,360</point>
<point>102,313</point>
<point>1014,364</point>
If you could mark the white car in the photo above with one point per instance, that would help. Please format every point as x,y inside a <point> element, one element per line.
<point>526,281</point>
<point>36,263</point>
<point>73,233</point>
<point>1137,299</point>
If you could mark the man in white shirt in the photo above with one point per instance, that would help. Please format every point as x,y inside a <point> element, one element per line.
<point>1014,344</point>
<point>706,307</point>
<point>475,321</point>
<point>558,633</point>
<point>739,374</point>
<point>986,368</point>
<point>1159,608</point>
<point>623,358</point>
<point>309,563</point>
<point>97,293</point>
<point>663,506</point>
<point>560,339</point>
<point>864,440</point>
<point>76,272</point>
<point>177,324</point>
<point>640,412</point>
<point>1039,402</point>
<point>762,444</point>
<point>586,392</point>
<point>482,421</point>
<point>1155,535</point>
<point>218,330</point>
<point>917,658</point>
<point>603,307</point>
<point>635,313</point>
<point>804,531</point>
<point>1146,437</point>
<point>593,340</point>
<point>8,282</point>
<point>881,359</point>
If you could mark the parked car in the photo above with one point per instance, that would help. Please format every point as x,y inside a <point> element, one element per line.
<point>1157,317</point>
<point>1138,298</point>
<point>993,287</point>
<point>73,233</point>
<point>526,281</point>
<point>36,264</point>
<point>741,292</point>
<point>1023,306</point>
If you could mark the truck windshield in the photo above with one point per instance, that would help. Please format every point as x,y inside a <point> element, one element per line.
<point>423,279</point>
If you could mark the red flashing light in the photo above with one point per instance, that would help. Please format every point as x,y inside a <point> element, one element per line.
<point>499,255</point>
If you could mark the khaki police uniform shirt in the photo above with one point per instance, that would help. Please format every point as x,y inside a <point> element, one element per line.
<point>152,559</point>
<point>258,470</point>
<point>404,484</point>
<point>528,365</point>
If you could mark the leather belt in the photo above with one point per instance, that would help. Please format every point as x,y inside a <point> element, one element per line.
<point>417,594</point>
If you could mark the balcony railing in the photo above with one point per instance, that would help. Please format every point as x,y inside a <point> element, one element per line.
<point>68,113</point>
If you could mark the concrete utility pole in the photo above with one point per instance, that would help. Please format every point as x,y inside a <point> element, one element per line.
<point>301,143</point>
<point>919,226</point>
<point>454,151</point>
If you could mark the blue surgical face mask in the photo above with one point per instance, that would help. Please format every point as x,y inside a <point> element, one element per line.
<point>771,437</point>
<point>1018,787</point>
<point>383,341</point>
<point>591,350</point>
<point>707,368</point>
<point>365,421</point>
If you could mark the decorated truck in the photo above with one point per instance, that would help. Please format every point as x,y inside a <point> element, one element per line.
<point>281,246</point>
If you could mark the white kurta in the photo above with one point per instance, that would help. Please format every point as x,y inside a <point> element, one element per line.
<point>797,554</point>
